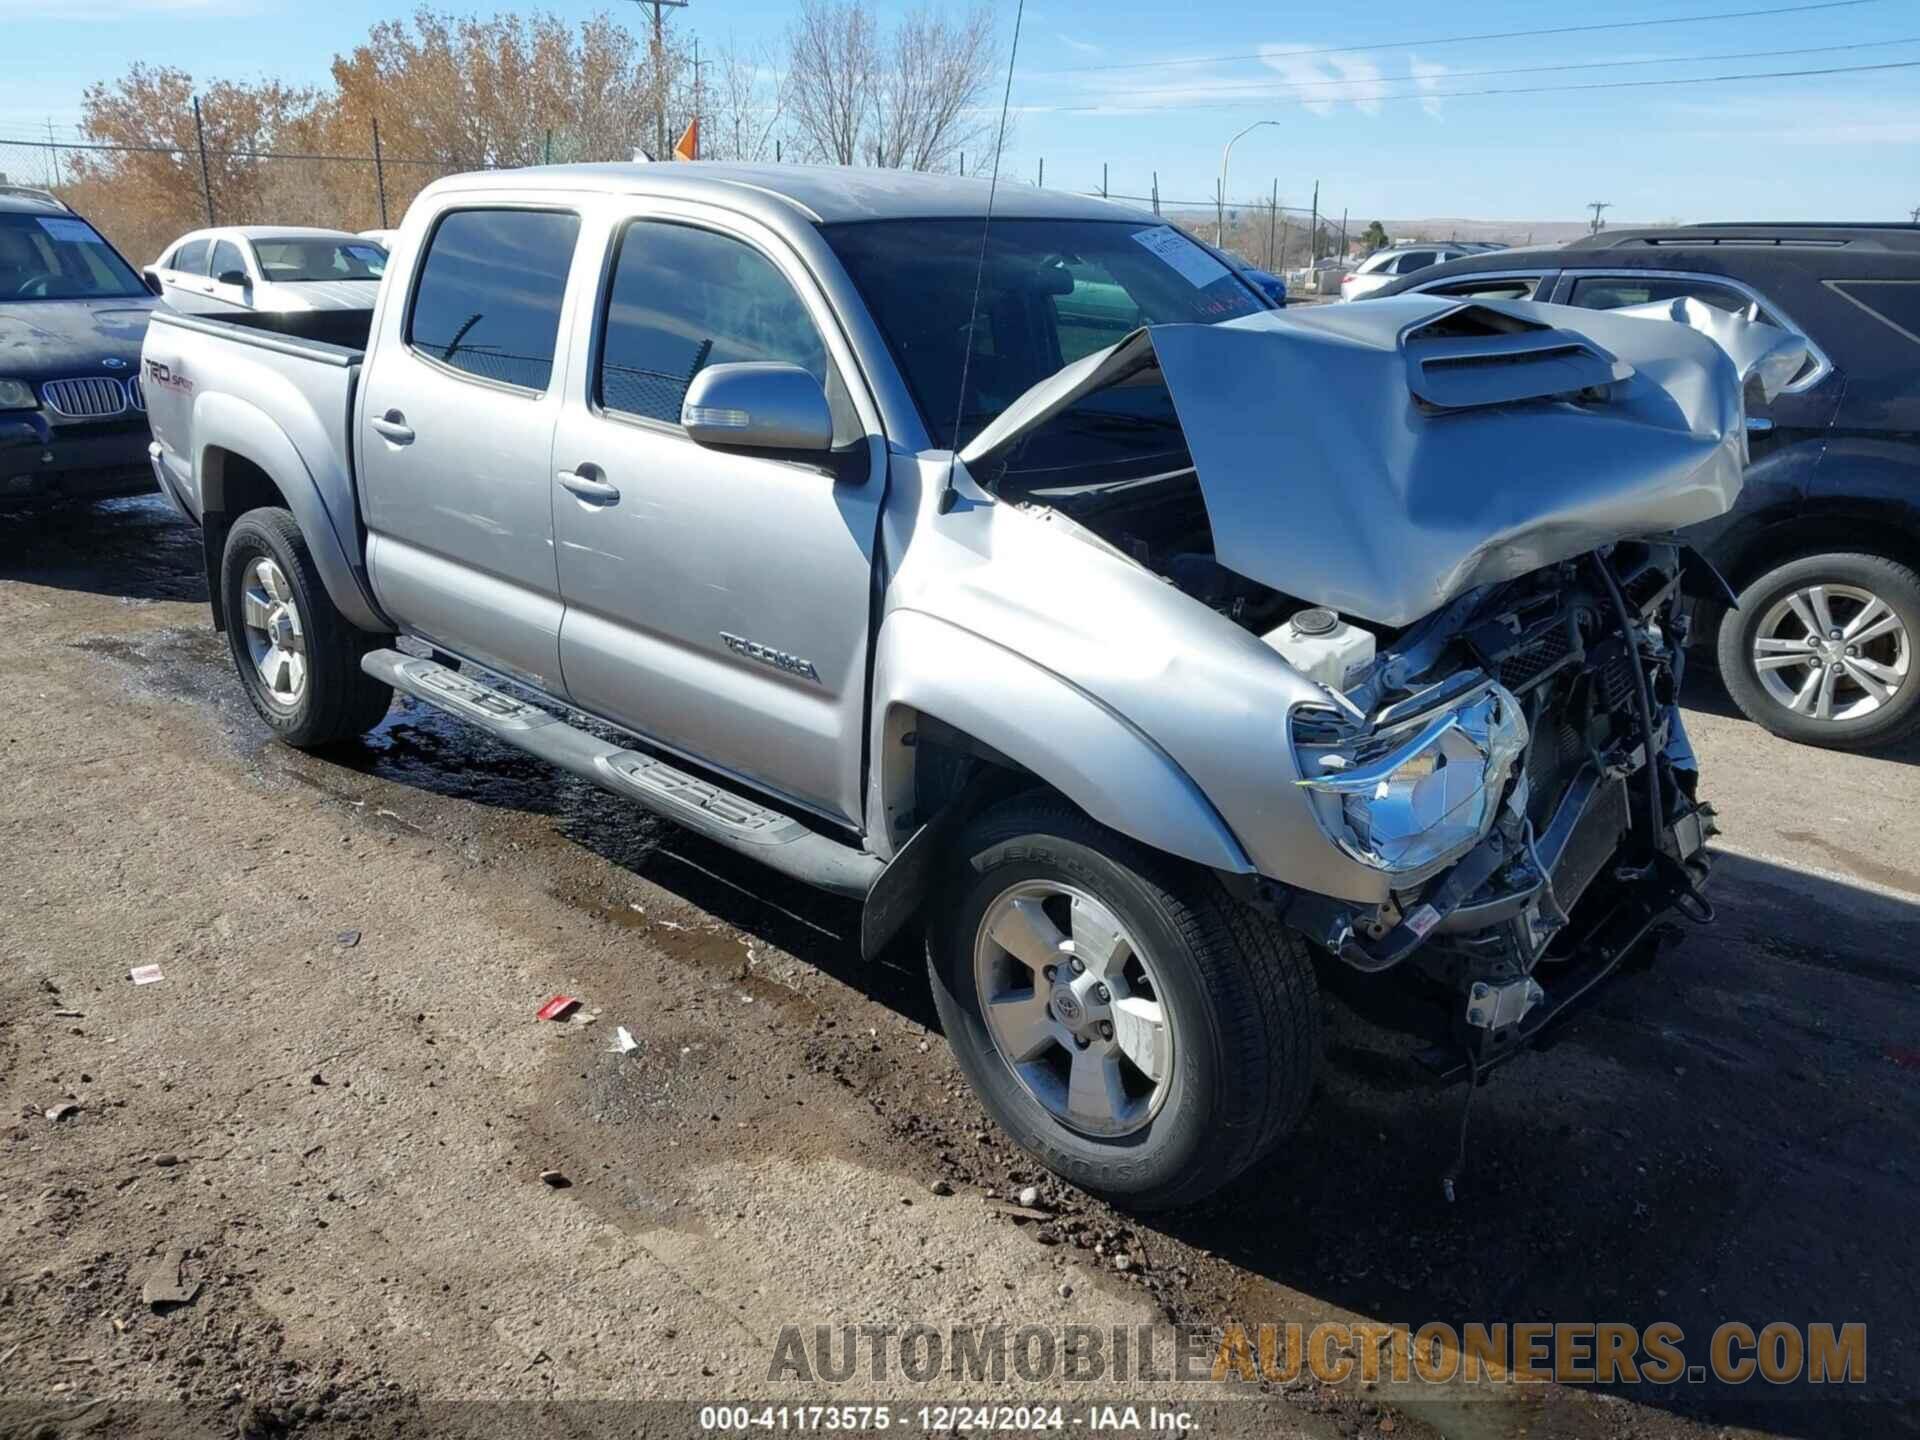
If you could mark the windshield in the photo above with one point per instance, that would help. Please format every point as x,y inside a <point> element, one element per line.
<point>60,257</point>
<point>1051,292</point>
<point>295,258</point>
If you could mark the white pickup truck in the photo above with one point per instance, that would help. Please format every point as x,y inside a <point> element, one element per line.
<point>1008,567</point>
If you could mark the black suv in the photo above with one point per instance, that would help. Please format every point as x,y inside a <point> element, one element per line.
<point>1824,545</point>
<point>73,423</point>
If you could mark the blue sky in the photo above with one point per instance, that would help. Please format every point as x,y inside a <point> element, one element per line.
<point>1374,124</point>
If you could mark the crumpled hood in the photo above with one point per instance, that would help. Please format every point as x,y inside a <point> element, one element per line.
<point>46,339</point>
<point>1381,458</point>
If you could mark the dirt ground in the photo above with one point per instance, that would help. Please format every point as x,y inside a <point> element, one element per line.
<point>325,1129</point>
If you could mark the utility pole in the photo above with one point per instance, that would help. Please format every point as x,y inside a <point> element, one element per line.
<point>697,63</point>
<point>1313,234</point>
<point>1343,234</point>
<point>1596,225</point>
<point>1915,216</point>
<point>1156,192</point>
<point>1273,216</point>
<point>660,151</point>
<point>206,179</point>
<point>53,155</point>
<point>380,172</point>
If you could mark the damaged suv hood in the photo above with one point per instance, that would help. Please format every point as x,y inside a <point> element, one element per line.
<point>1383,457</point>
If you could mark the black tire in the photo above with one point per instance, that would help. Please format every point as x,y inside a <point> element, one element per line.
<point>1240,991</point>
<point>1890,581</point>
<point>338,700</point>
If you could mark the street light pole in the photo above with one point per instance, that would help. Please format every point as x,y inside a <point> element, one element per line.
<point>1220,223</point>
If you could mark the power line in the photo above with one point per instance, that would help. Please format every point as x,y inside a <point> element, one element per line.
<point>1466,39</point>
<point>1262,87</point>
<point>1119,103</point>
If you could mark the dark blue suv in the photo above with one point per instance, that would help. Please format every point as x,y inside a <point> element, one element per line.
<point>73,422</point>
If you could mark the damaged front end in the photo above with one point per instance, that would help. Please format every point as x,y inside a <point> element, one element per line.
<point>1519,767</point>
<point>1453,523</point>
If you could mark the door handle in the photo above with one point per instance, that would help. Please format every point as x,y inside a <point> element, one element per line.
<point>1758,424</point>
<point>585,483</point>
<point>393,426</point>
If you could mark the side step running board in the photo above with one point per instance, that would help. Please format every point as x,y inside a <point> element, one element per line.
<point>775,840</point>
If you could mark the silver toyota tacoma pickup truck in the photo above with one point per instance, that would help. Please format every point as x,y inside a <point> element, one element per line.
<point>1017,573</point>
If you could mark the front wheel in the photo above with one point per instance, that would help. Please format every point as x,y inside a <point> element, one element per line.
<point>297,656</point>
<point>1119,1015</point>
<point>1821,651</point>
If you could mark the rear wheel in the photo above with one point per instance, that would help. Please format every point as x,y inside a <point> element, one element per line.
<point>1822,651</point>
<point>297,656</point>
<point>1120,1016</point>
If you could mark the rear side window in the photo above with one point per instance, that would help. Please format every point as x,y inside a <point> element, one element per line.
<point>683,299</point>
<point>489,294</point>
<point>1610,292</point>
<point>1411,261</point>
<point>1511,287</point>
<point>191,258</point>
<point>1893,302</point>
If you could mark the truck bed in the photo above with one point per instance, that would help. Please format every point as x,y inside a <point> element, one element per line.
<point>335,330</point>
<point>277,389</point>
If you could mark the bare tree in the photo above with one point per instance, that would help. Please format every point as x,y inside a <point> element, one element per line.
<point>912,100</point>
<point>929,101</point>
<point>833,63</point>
<point>746,102</point>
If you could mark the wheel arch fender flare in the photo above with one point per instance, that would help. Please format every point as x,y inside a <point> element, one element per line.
<point>223,427</point>
<point>1041,722</point>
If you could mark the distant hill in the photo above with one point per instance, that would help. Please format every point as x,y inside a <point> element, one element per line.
<point>1506,232</point>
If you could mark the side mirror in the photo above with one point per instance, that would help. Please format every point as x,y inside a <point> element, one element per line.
<point>153,282</point>
<point>234,277</point>
<point>757,406</point>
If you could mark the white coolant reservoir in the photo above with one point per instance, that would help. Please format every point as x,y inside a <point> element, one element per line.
<point>1323,647</point>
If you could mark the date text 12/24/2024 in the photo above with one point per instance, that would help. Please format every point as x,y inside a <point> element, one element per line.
<point>946,1419</point>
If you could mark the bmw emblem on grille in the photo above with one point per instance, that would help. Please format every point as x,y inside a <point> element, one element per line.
<point>112,364</point>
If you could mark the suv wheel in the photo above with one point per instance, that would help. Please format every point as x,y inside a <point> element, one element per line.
<point>298,657</point>
<point>1120,1016</point>
<point>1822,651</point>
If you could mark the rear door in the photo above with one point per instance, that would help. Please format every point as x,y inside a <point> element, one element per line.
<point>455,438</point>
<point>718,601</point>
<point>183,276</point>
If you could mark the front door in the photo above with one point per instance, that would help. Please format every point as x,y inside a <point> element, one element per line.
<point>717,601</point>
<point>456,436</point>
<point>232,285</point>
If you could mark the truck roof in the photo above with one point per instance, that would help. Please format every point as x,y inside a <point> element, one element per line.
<point>822,194</point>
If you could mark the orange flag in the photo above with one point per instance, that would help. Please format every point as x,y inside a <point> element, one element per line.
<point>689,146</point>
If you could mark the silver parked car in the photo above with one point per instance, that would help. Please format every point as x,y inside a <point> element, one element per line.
<point>1383,267</point>
<point>269,269</point>
<point>1148,649</point>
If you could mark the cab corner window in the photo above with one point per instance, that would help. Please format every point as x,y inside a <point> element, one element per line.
<point>682,299</point>
<point>489,295</point>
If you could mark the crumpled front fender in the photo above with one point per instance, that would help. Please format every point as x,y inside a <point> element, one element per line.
<point>1045,724</point>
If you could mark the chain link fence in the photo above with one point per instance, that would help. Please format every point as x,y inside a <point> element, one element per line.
<point>141,197</point>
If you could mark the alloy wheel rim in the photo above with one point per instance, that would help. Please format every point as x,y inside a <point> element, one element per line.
<point>275,637</point>
<point>1074,1008</point>
<point>1832,652</point>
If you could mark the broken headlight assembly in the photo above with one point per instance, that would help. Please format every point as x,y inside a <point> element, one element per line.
<point>1411,798</point>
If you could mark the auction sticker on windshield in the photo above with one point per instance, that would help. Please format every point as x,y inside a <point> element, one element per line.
<point>1195,266</point>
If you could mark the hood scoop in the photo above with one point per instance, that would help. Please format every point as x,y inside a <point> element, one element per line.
<point>1383,457</point>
